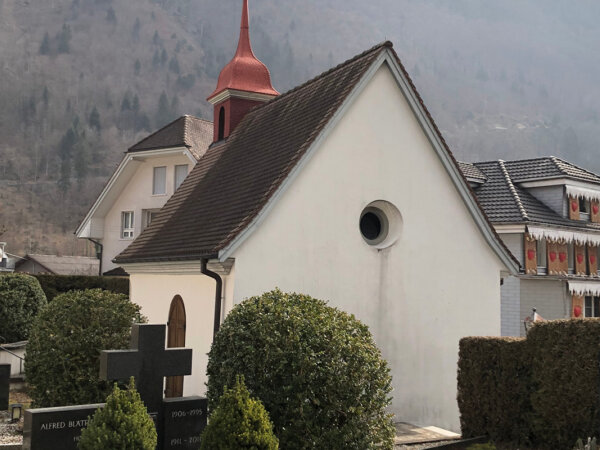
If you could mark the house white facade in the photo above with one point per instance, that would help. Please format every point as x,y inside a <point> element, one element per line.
<point>146,178</point>
<point>371,213</point>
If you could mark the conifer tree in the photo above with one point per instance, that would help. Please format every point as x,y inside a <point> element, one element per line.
<point>64,39</point>
<point>123,423</point>
<point>94,120</point>
<point>239,422</point>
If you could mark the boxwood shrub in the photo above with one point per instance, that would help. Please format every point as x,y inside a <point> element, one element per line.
<point>62,361</point>
<point>21,298</point>
<point>542,390</point>
<point>316,369</point>
<point>54,285</point>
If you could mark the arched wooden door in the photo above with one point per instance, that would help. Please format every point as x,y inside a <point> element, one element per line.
<point>175,338</point>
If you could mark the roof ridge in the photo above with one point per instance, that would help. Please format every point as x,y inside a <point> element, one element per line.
<point>185,130</point>
<point>388,44</point>
<point>513,190</point>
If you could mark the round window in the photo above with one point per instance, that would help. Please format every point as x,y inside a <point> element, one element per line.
<point>380,224</point>
<point>373,225</point>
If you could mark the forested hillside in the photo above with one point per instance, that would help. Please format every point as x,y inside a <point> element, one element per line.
<point>82,80</point>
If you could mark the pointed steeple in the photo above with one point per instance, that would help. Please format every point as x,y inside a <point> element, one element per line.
<point>243,83</point>
<point>245,72</point>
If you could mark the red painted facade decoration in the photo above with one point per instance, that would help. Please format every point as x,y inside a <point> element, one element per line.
<point>562,256</point>
<point>552,256</point>
<point>577,311</point>
<point>574,205</point>
<point>579,258</point>
<point>530,255</point>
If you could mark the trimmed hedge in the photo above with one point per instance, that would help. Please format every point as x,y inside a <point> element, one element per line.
<point>316,369</point>
<point>21,298</point>
<point>62,362</point>
<point>542,390</point>
<point>54,285</point>
<point>493,375</point>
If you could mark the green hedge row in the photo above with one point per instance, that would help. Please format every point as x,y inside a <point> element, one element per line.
<point>542,390</point>
<point>54,285</point>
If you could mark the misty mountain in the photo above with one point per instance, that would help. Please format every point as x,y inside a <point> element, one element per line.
<point>82,80</point>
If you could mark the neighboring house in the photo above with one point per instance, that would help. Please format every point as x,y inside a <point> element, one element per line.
<point>342,189</point>
<point>547,212</point>
<point>148,175</point>
<point>58,265</point>
<point>7,264</point>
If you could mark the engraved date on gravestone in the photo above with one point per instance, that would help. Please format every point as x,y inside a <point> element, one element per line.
<point>184,419</point>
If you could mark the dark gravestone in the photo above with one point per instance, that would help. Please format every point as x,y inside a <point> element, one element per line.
<point>4,386</point>
<point>148,361</point>
<point>184,419</point>
<point>56,428</point>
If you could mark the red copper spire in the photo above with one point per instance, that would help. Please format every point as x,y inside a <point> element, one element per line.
<point>245,72</point>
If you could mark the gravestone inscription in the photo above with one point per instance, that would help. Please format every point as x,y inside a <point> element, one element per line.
<point>184,419</point>
<point>4,386</point>
<point>54,428</point>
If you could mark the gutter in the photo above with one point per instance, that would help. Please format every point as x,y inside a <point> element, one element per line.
<point>98,253</point>
<point>218,293</point>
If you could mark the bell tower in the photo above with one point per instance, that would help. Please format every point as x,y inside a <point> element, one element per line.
<point>243,83</point>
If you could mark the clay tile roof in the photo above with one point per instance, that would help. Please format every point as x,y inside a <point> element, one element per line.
<point>187,131</point>
<point>472,172</point>
<point>234,180</point>
<point>64,265</point>
<point>505,202</point>
<point>548,167</point>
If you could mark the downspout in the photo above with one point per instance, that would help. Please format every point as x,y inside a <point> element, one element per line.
<point>218,293</point>
<point>98,253</point>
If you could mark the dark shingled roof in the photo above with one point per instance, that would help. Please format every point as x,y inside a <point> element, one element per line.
<point>187,131</point>
<point>234,180</point>
<point>505,202</point>
<point>547,168</point>
<point>471,172</point>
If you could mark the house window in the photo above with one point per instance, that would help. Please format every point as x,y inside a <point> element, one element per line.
<point>180,174</point>
<point>584,209</point>
<point>159,185</point>
<point>148,216</point>
<point>542,261</point>
<point>127,225</point>
<point>592,307</point>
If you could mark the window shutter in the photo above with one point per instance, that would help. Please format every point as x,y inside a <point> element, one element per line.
<point>580,262</point>
<point>595,211</point>
<point>553,259</point>
<point>593,260</point>
<point>573,208</point>
<point>578,307</point>
<point>530,255</point>
<point>563,258</point>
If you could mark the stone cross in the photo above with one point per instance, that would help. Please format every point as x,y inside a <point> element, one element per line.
<point>148,361</point>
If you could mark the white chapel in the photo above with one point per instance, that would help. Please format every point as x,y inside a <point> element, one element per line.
<point>342,189</point>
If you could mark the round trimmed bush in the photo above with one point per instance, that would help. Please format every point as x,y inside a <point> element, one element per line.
<point>316,369</point>
<point>62,361</point>
<point>239,422</point>
<point>123,423</point>
<point>21,298</point>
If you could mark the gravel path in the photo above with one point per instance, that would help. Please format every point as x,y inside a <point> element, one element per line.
<point>9,432</point>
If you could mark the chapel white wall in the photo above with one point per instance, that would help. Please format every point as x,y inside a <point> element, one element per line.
<point>438,283</point>
<point>137,196</point>
<point>154,293</point>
